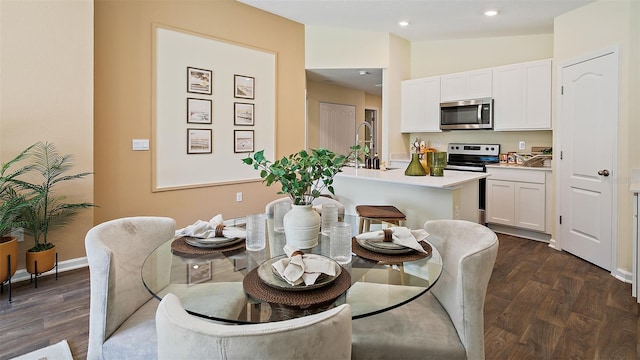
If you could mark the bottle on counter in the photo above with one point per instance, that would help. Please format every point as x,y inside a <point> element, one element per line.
<point>375,163</point>
<point>368,162</point>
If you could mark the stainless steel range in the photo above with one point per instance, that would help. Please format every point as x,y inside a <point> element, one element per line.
<point>474,157</point>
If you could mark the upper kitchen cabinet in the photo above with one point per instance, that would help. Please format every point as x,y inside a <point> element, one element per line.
<point>466,85</point>
<point>522,96</point>
<point>420,105</point>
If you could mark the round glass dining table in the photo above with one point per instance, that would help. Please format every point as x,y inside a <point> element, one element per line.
<point>212,284</point>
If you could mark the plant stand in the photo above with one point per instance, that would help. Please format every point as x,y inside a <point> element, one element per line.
<point>34,276</point>
<point>8,281</point>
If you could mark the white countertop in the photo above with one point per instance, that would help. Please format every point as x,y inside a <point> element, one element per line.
<point>450,180</point>
<point>518,167</point>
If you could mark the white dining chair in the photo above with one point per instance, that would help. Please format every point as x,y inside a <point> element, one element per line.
<point>447,322</point>
<point>326,335</point>
<point>319,201</point>
<point>122,311</point>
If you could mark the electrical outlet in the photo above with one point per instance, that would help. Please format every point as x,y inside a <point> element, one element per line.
<point>239,196</point>
<point>140,144</point>
<point>521,145</point>
<point>438,144</point>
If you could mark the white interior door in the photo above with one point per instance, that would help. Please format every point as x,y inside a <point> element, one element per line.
<point>337,127</point>
<point>588,123</point>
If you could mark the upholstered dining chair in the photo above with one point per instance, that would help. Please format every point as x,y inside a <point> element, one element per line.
<point>317,201</point>
<point>326,335</point>
<point>122,311</point>
<point>447,322</point>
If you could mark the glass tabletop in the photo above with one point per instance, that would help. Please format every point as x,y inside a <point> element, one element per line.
<point>210,282</point>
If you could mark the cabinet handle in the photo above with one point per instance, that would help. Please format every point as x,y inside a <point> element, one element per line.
<point>604,172</point>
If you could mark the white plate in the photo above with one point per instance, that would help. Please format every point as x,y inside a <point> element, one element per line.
<point>270,278</point>
<point>368,245</point>
<point>212,243</point>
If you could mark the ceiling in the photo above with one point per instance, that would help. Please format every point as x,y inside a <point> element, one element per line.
<point>428,20</point>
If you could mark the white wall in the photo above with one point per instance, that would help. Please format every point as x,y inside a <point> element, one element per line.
<point>334,48</point>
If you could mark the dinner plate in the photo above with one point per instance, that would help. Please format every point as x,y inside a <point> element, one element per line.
<point>368,245</point>
<point>270,278</point>
<point>212,243</point>
<point>388,245</point>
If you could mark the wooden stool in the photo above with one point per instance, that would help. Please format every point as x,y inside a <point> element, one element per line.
<point>378,213</point>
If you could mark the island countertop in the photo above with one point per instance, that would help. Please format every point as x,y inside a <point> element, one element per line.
<point>451,178</point>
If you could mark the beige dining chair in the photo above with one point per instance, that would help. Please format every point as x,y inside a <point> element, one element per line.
<point>447,322</point>
<point>319,201</point>
<point>122,311</point>
<point>326,335</point>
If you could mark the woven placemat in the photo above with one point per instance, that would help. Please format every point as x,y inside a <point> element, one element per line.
<point>261,291</point>
<point>180,247</point>
<point>390,258</point>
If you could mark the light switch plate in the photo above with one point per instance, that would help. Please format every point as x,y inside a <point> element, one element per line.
<point>140,144</point>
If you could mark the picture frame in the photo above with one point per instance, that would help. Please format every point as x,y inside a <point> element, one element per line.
<point>199,81</point>
<point>199,272</point>
<point>199,141</point>
<point>243,141</point>
<point>199,111</point>
<point>243,114</point>
<point>244,87</point>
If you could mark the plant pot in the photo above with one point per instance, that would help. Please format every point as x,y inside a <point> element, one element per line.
<point>8,246</point>
<point>302,226</point>
<point>46,261</point>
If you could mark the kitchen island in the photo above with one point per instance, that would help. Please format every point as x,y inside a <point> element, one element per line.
<point>421,198</point>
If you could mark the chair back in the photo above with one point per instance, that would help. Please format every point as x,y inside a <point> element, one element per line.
<point>319,201</point>
<point>326,335</point>
<point>116,250</point>
<point>469,252</point>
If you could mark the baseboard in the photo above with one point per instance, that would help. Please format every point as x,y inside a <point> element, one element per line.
<point>523,233</point>
<point>623,275</point>
<point>71,264</point>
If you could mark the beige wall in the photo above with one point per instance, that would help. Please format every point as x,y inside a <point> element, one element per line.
<point>318,92</point>
<point>123,103</point>
<point>46,94</point>
<point>591,28</point>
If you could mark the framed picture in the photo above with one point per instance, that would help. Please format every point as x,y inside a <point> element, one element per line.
<point>199,141</point>
<point>244,86</point>
<point>198,272</point>
<point>199,81</point>
<point>243,114</point>
<point>198,111</point>
<point>243,140</point>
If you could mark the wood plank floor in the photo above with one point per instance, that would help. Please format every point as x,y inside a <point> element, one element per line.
<point>541,304</point>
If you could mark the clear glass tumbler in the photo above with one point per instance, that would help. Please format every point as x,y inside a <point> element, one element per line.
<point>256,226</point>
<point>279,210</point>
<point>329,217</point>
<point>340,242</point>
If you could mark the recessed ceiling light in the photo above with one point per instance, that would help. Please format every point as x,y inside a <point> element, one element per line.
<point>362,72</point>
<point>491,12</point>
<point>403,23</point>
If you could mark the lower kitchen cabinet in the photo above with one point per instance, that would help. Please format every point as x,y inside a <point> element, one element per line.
<point>517,198</point>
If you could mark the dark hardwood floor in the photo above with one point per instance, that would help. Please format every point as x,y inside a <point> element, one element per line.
<point>541,304</point>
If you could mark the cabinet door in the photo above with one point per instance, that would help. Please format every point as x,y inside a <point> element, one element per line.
<point>453,87</point>
<point>507,97</point>
<point>536,95</point>
<point>479,84</point>
<point>530,206</point>
<point>500,202</point>
<point>420,105</point>
<point>466,85</point>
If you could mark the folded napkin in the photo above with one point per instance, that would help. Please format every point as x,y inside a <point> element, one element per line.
<point>399,235</point>
<point>297,267</point>
<point>212,228</point>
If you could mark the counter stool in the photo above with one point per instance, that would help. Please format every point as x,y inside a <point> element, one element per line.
<point>377,213</point>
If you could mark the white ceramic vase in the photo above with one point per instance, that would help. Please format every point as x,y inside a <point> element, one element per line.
<point>302,226</point>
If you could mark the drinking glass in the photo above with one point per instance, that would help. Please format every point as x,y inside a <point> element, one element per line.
<point>279,210</point>
<point>340,242</point>
<point>256,232</point>
<point>329,217</point>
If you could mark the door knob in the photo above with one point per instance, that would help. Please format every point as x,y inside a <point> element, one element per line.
<point>604,172</point>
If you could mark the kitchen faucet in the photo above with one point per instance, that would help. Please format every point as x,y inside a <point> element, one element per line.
<point>358,139</point>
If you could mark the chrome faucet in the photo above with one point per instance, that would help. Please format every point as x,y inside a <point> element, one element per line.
<point>358,139</point>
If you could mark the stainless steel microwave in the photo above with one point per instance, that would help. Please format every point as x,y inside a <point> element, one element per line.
<point>467,114</point>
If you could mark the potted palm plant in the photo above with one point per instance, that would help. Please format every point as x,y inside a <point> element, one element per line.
<point>303,176</point>
<point>47,210</point>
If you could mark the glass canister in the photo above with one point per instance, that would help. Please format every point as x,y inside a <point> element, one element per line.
<point>437,162</point>
<point>415,167</point>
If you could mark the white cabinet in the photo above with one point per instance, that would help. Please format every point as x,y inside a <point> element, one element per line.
<point>420,105</point>
<point>517,198</point>
<point>465,85</point>
<point>522,96</point>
